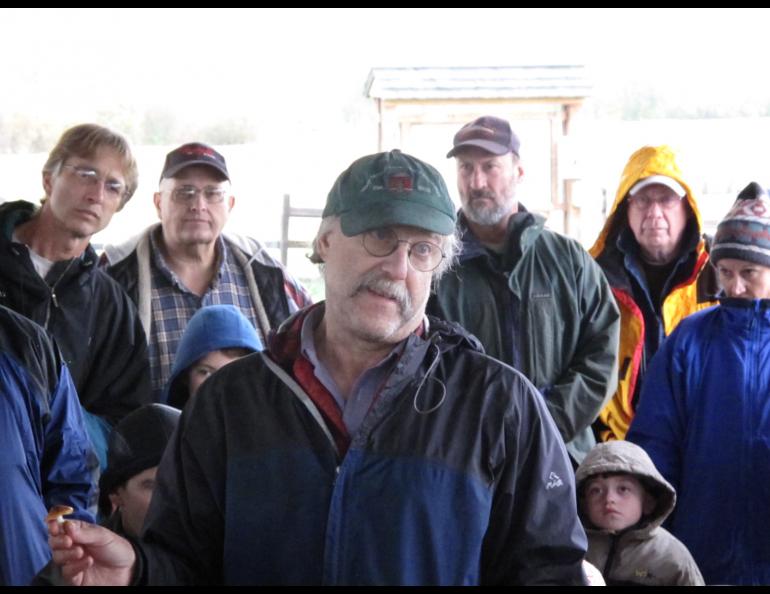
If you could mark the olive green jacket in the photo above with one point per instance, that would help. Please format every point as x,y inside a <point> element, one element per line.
<point>544,307</point>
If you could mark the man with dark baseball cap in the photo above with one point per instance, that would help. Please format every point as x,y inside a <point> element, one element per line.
<point>184,263</point>
<point>193,153</point>
<point>491,134</point>
<point>369,444</point>
<point>534,298</point>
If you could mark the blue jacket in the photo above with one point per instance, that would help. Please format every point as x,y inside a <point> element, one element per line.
<point>46,455</point>
<point>211,328</point>
<point>456,476</point>
<point>704,419</point>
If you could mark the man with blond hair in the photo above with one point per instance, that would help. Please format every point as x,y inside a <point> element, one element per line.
<point>49,273</point>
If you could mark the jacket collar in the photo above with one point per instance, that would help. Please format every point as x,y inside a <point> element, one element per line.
<point>253,250</point>
<point>524,228</point>
<point>13,214</point>
<point>284,344</point>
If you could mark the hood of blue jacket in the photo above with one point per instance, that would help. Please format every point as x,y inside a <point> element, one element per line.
<point>211,328</point>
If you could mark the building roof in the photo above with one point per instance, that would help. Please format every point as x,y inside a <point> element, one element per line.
<point>491,82</point>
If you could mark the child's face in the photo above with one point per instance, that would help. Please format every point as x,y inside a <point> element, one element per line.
<point>133,499</point>
<point>616,502</point>
<point>205,366</point>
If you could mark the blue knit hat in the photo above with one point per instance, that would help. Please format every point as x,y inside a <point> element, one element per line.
<point>744,233</point>
<point>211,328</point>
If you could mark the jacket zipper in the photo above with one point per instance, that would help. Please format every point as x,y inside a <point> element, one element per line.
<point>610,557</point>
<point>55,299</point>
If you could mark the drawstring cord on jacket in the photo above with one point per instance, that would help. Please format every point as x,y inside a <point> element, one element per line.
<point>432,366</point>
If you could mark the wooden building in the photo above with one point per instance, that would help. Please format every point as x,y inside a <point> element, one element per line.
<point>420,109</point>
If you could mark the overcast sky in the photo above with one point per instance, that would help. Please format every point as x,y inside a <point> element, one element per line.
<point>203,60</point>
<point>298,77</point>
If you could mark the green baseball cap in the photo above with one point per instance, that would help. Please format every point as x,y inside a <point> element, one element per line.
<point>388,189</point>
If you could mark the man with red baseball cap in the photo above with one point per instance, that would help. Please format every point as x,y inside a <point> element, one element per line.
<point>186,262</point>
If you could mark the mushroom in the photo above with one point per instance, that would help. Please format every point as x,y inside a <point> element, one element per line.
<point>58,512</point>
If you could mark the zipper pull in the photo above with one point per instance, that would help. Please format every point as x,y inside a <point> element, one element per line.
<point>55,300</point>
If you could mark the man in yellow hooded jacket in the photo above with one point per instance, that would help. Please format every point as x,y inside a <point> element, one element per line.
<point>656,260</point>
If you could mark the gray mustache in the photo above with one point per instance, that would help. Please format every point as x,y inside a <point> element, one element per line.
<point>482,194</point>
<point>373,281</point>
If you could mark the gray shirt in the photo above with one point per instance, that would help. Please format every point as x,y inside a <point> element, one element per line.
<point>366,388</point>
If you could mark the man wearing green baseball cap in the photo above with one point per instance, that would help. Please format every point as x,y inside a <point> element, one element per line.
<point>369,443</point>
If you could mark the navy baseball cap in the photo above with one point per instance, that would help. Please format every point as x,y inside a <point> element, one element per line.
<point>489,133</point>
<point>193,153</point>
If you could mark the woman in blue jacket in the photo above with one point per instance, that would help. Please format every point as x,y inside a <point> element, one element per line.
<point>704,416</point>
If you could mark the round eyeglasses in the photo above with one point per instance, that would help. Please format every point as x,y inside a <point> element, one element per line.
<point>423,255</point>
<point>189,194</point>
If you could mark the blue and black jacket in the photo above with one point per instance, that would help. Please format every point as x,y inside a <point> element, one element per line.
<point>456,476</point>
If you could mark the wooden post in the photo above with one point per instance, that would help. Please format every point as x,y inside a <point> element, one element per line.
<point>285,229</point>
<point>568,183</point>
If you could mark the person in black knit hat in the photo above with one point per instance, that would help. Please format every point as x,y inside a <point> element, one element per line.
<point>704,416</point>
<point>136,446</point>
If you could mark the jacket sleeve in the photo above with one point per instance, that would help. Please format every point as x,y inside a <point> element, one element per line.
<point>689,574</point>
<point>660,422</point>
<point>297,296</point>
<point>124,273</point>
<point>591,377</point>
<point>119,377</point>
<point>183,536</point>
<point>68,463</point>
<point>535,535</point>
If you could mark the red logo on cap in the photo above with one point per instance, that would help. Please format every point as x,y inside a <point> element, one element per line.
<point>399,182</point>
<point>198,151</point>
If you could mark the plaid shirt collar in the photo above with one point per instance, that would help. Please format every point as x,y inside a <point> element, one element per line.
<point>163,267</point>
